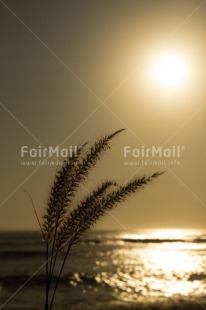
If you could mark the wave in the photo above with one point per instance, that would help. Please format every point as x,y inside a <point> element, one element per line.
<point>29,250</point>
<point>199,240</point>
<point>39,280</point>
<point>71,279</point>
<point>29,244</point>
<point>152,240</point>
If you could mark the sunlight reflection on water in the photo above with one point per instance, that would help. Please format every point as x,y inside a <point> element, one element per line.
<point>156,270</point>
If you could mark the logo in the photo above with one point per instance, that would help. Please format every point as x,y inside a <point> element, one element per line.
<point>154,155</point>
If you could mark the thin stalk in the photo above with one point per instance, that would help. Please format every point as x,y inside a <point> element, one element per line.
<point>52,254</point>
<point>47,284</point>
<point>53,266</point>
<point>35,212</point>
<point>60,272</point>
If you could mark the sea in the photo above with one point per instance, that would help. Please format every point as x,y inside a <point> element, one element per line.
<point>145,269</point>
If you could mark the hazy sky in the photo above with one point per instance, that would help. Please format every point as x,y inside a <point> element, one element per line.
<point>61,59</point>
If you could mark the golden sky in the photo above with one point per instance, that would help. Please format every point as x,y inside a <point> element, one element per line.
<point>74,70</point>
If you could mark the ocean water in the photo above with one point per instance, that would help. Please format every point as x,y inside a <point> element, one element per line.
<point>108,270</point>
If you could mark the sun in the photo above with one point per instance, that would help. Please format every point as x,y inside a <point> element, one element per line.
<point>169,70</point>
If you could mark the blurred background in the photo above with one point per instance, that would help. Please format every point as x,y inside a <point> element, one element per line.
<point>60,60</point>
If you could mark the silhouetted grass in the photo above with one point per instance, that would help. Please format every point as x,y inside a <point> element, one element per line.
<point>61,225</point>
